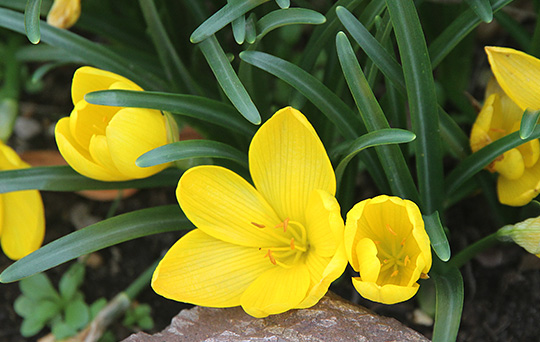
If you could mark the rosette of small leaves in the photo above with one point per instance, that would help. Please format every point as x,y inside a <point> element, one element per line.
<point>64,311</point>
<point>139,316</point>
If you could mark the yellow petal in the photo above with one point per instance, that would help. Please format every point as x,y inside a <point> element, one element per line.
<point>1,213</point>
<point>78,158</point>
<point>64,13</point>
<point>520,191</point>
<point>324,224</point>
<point>88,79</point>
<point>276,290</point>
<point>227,207</point>
<point>287,162</point>
<point>133,132</point>
<point>23,224</point>
<point>202,270</point>
<point>351,237</point>
<point>530,152</point>
<point>99,151</point>
<point>511,165</point>
<point>9,159</point>
<point>420,235</point>
<point>369,264</point>
<point>87,120</point>
<point>518,74</point>
<point>480,136</point>
<point>386,294</point>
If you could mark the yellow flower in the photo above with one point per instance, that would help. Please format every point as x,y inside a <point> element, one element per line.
<point>64,13</point>
<point>387,244</point>
<point>269,248</point>
<point>103,142</point>
<point>506,99</point>
<point>526,234</point>
<point>22,221</point>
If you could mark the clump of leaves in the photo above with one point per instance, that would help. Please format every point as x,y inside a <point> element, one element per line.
<point>64,311</point>
<point>139,316</point>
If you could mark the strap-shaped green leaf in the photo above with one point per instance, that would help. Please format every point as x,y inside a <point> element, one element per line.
<point>422,99</point>
<point>239,29</point>
<point>528,123</point>
<point>437,237</point>
<point>283,3</point>
<point>483,157</point>
<point>449,304</point>
<point>391,157</point>
<point>89,52</point>
<point>191,149</point>
<point>375,138</point>
<point>459,29</point>
<point>64,178</point>
<point>223,17</point>
<point>174,67</point>
<point>188,105</point>
<point>291,16</point>
<point>228,80</point>
<point>482,8</point>
<point>31,20</point>
<point>100,235</point>
<point>327,101</point>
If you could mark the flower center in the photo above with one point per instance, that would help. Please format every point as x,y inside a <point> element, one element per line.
<point>291,242</point>
<point>393,256</point>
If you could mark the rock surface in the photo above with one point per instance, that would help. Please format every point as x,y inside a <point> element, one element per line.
<point>332,319</point>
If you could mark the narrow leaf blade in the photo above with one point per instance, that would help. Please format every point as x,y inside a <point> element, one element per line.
<point>31,20</point>
<point>449,305</point>
<point>103,234</point>
<point>528,123</point>
<point>291,16</point>
<point>437,237</point>
<point>482,8</point>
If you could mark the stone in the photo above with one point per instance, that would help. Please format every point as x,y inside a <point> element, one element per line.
<point>333,319</point>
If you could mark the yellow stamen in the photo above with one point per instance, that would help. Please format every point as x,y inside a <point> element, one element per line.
<point>390,229</point>
<point>499,130</point>
<point>283,224</point>
<point>258,225</point>
<point>376,242</point>
<point>292,243</point>
<point>403,241</point>
<point>271,257</point>
<point>407,260</point>
<point>395,273</point>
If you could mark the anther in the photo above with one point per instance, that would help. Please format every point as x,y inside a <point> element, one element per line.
<point>292,243</point>
<point>499,130</point>
<point>385,261</point>
<point>403,241</point>
<point>258,225</point>
<point>395,273</point>
<point>376,242</point>
<point>271,257</point>
<point>104,119</point>
<point>390,229</point>
<point>424,276</point>
<point>407,260</point>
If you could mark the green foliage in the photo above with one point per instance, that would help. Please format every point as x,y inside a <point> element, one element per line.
<point>139,316</point>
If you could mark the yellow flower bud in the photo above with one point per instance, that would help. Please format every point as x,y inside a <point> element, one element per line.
<point>526,234</point>
<point>103,142</point>
<point>64,13</point>
<point>22,220</point>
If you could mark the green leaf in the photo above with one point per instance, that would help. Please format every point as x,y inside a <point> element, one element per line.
<point>449,304</point>
<point>482,8</point>
<point>376,52</point>
<point>291,16</point>
<point>24,306</point>
<point>251,29</point>
<point>103,234</point>
<point>437,236</point>
<point>483,157</point>
<point>455,32</point>
<point>38,287</point>
<point>61,330</point>
<point>223,17</point>
<point>97,306</point>
<point>173,65</point>
<point>64,178</point>
<point>422,101</point>
<point>43,312</point>
<point>77,314</point>
<point>528,123</point>
<point>71,281</point>
<point>90,53</point>
<point>375,138</point>
<point>189,149</point>
<point>188,105</point>
<point>327,101</point>
<point>391,157</point>
<point>31,20</point>
<point>283,3</point>
<point>239,29</point>
<point>228,80</point>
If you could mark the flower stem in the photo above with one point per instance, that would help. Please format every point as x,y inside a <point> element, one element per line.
<point>472,250</point>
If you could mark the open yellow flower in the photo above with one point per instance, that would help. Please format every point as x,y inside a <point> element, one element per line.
<point>515,89</point>
<point>386,242</point>
<point>103,142</point>
<point>269,248</point>
<point>64,13</point>
<point>22,220</point>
